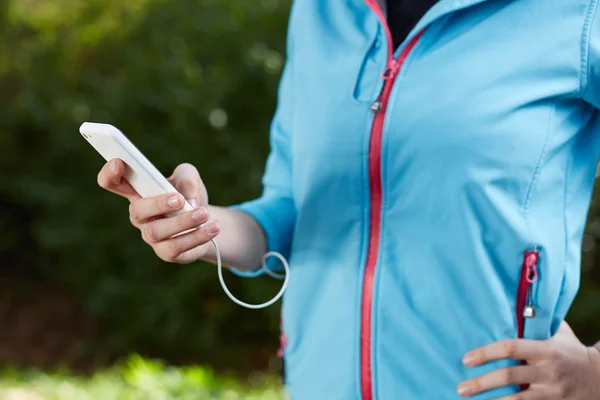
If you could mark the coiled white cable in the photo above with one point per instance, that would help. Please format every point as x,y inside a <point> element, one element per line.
<point>268,271</point>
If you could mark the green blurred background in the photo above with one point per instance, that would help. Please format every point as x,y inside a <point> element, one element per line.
<point>80,294</point>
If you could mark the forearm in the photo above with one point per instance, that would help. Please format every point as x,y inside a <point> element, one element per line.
<point>241,240</point>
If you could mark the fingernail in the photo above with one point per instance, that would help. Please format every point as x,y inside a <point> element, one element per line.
<point>468,359</point>
<point>212,228</point>
<point>194,203</point>
<point>463,390</point>
<point>173,201</point>
<point>199,215</point>
<point>113,166</point>
<point>130,206</point>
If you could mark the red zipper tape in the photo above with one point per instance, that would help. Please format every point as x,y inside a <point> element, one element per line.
<point>392,69</point>
<point>529,275</point>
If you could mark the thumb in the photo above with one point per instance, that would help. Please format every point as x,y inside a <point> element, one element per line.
<point>186,180</point>
<point>564,331</point>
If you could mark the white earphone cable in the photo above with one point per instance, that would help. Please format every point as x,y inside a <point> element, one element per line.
<point>268,271</point>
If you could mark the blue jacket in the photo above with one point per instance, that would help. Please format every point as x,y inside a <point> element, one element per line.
<point>430,199</point>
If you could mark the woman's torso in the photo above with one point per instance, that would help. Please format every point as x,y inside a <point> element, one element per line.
<point>408,250</point>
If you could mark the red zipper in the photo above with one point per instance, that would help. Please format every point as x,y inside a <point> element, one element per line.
<point>529,275</point>
<point>525,305</point>
<point>379,107</point>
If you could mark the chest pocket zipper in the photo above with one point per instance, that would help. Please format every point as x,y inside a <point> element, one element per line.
<point>526,307</point>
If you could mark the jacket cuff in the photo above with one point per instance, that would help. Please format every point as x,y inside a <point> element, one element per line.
<point>276,217</point>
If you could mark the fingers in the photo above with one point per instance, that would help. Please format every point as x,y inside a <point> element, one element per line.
<point>186,180</point>
<point>165,228</point>
<point>111,178</point>
<point>175,249</point>
<point>516,349</point>
<point>529,394</point>
<point>499,378</point>
<point>144,209</point>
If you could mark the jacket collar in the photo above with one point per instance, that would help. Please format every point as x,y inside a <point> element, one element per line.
<point>440,9</point>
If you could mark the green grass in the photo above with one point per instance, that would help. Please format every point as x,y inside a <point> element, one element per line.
<point>136,379</point>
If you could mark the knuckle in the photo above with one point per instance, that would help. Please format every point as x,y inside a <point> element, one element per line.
<point>188,183</point>
<point>555,373</point>
<point>132,220</point>
<point>131,217</point>
<point>476,385</point>
<point>558,373</point>
<point>507,376</point>
<point>510,348</point>
<point>150,233</point>
<point>172,250</point>
<point>183,222</point>
<point>200,237</point>
<point>551,373</point>
<point>133,214</point>
<point>535,373</point>
<point>163,254</point>
<point>161,203</point>
<point>554,354</point>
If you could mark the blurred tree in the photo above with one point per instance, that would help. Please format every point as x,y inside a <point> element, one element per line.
<point>189,81</point>
<point>584,316</point>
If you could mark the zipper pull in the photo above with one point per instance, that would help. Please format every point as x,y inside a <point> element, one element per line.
<point>531,262</point>
<point>529,310</point>
<point>376,106</point>
<point>391,70</point>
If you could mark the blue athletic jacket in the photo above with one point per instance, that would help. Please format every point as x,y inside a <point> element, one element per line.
<point>430,199</point>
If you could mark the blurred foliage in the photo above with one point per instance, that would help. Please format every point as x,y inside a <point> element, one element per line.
<point>135,379</point>
<point>188,81</point>
<point>584,316</point>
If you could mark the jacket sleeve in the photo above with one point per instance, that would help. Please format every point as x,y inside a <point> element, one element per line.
<point>275,211</point>
<point>590,59</point>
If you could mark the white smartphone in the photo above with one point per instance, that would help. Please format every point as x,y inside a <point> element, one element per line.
<point>141,174</point>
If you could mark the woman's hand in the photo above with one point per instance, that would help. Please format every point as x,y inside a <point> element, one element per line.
<point>558,368</point>
<point>162,233</point>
